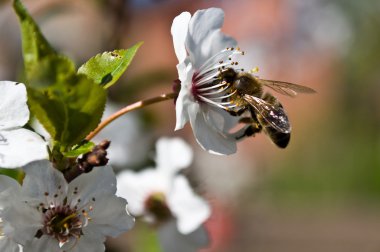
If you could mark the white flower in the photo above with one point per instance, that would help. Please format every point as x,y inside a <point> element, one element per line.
<point>203,51</point>
<point>163,197</point>
<point>48,214</point>
<point>18,146</point>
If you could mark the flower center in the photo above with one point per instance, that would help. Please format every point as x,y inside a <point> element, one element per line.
<point>156,205</point>
<point>64,220</point>
<point>63,223</point>
<point>213,82</point>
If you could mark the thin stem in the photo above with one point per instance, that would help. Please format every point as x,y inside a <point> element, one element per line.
<point>129,108</point>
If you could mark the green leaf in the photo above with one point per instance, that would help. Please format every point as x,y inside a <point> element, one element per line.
<point>106,68</point>
<point>36,47</point>
<point>16,174</point>
<point>80,149</point>
<point>68,110</point>
<point>68,105</point>
<point>144,238</point>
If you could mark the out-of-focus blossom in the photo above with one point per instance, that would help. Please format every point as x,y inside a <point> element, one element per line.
<point>127,141</point>
<point>203,51</point>
<point>48,214</point>
<point>18,146</point>
<point>164,198</point>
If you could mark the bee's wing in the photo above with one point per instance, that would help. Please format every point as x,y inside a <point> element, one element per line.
<point>274,115</point>
<point>286,88</point>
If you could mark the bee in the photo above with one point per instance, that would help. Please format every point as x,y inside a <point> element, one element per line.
<point>265,112</point>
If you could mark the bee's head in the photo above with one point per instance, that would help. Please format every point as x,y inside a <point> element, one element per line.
<point>245,83</point>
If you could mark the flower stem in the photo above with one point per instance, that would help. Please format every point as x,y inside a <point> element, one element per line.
<point>129,108</point>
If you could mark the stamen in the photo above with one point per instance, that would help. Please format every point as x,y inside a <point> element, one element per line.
<point>225,96</point>
<point>216,92</point>
<point>206,79</point>
<point>209,61</point>
<point>212,87</point>
<point>209,67</point>
<point>218,104</point>
<point>208,84</point>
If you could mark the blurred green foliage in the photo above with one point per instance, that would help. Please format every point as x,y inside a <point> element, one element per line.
<point>340,158</point>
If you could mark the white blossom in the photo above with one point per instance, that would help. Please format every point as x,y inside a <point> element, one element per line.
<point>18,146</point>
<point>166,199</point>
<point>48,214</point>
<point>203,52</point>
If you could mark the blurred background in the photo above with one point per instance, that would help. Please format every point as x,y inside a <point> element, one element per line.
<point>322,192</point>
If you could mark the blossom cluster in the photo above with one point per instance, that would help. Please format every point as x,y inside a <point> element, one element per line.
<point>64,196</point>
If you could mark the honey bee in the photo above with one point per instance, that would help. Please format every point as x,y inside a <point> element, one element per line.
<point>265,112</point>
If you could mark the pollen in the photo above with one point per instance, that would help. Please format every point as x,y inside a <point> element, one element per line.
<point>254,70</point>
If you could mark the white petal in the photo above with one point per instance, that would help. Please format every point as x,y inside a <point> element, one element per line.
<point>173,241</point>
<point>45,243</point>
<point>185,97</point>
<point>14,111</point>
<point>185,73</point>
<point>41,179</point>
<point>85,244</point>
<point>182,103</point>
<point>190,210</point>
<point>173,154</point>
<point>9,189</point>
<point>48,243</point>
<point>205,39</point>
<point>19,147</point>
<point>8,245</point>
<point>208,137</point>
<point>179,32</point>
<point>136,187</point>
<point>220,119</point>
<point>100,181</point>
<point>109,217</point>
<point>21,221</point>
<point>39,128</point>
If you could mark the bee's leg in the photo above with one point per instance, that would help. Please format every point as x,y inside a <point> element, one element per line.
<point>251,129</point>
<point>237,113</point>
